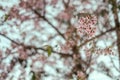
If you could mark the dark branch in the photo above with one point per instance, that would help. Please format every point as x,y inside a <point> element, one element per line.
<point>9,39</point>
<point>34,47</point>
<point>110,30</point>
<point>44,18</point>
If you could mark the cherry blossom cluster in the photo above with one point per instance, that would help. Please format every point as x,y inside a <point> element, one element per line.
<point>106,51</point>
<point>98,51</point>
<point>25,6</point>
<point>36,4</point>
<point>87,25</point>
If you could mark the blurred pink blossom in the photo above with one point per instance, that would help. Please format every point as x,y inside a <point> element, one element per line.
<point>64,16</point>
<point>22,53</point>
<point>67,46</point>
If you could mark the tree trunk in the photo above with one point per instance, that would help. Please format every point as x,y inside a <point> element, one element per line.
<point>117,25</point>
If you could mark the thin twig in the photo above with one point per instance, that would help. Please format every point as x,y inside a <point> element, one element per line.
<point>110,30</point>
<point>44,18</point>
<point>34,47</point>
<point>9,39</point>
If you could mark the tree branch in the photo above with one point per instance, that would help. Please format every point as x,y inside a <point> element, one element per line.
<point>34,47</point>
<point>44,18</point>
<point>9,39</point>
<point>117,25</point>
<point>110,30</point>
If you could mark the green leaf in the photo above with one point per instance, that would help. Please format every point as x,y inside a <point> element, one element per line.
<point>48,49</point>
<point>33,76</point>
<point>6,17</point>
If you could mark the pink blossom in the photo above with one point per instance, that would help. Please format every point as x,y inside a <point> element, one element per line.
<point>22,53</point>
<point>80,74</point>
<point>67,46</point>
<point>87,25</point>
<point>64,16</point>
<point>54,2</point>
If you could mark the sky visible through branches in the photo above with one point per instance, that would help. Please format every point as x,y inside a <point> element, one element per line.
<point>59,40</point>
